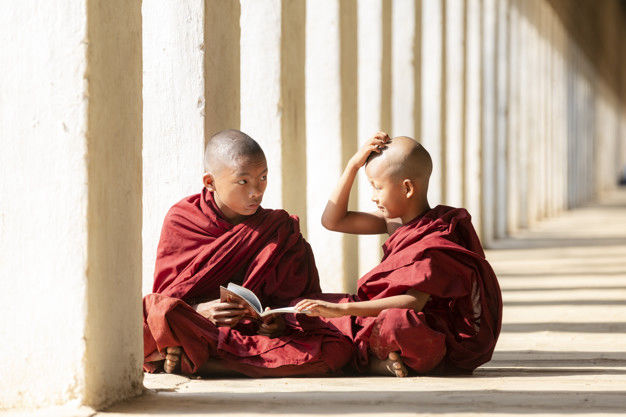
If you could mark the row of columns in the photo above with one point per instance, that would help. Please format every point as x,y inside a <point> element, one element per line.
<point>496,90</point>
<point>107,105</point>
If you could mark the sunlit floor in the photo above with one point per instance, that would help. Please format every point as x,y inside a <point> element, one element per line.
<point>562,348</point>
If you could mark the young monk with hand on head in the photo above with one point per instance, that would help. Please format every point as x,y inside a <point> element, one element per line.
<point>433,304</point>
<point>219,236</point>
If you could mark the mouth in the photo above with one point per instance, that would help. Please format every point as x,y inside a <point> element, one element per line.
<point>253,206</point>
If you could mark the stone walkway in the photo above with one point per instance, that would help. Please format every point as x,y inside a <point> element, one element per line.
<point>562,348</point>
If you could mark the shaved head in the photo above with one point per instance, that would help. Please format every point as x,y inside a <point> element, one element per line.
<point>228,147</point>
<point>404,158</point>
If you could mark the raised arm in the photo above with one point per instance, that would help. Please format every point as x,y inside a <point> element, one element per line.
<point>336,216</point>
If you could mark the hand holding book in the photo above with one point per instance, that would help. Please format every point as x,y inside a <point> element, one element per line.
<point>237,294</point>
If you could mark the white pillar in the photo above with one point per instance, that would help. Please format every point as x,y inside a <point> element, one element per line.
<point>454,77</point>
<point>503,54</point>
<point>261,87</point>
<point>524,125</point>
<point>323,132</point>
<point>431,92</point>
<point>514,120</point>
<point>173,114</point>
<point>473,145</point>
<point>403,65</point>
<point>370,56</point>
<point>489,109</point>
<point>70,211</point>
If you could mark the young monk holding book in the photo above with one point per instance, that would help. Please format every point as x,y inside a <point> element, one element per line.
<point>433,304</point>
<point>222,236</point>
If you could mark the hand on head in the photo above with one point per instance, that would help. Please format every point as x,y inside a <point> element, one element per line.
<point>374,144</point>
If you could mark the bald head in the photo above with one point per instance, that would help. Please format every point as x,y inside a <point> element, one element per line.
<point>403,158</point>
<point>227,147</point>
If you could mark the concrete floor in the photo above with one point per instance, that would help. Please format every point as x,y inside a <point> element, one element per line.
<point>562,348</point>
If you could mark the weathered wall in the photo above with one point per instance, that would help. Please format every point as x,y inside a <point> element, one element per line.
<point>70,219</point>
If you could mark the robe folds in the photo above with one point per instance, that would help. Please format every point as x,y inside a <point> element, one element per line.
<point>199,251</point>
<point>440,254</point>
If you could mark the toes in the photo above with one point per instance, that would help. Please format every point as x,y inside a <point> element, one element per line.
<point>169,367</point>
<point>172,358</point>
<point>174,349</point>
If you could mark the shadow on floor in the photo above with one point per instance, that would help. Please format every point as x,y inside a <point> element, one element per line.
<point>375,402</point>
<point>549,242</point>
<point>567,327</point>
<point>565,303</point>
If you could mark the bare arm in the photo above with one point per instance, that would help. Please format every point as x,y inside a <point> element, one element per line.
<point>413,299</point>
<point>336,216</point>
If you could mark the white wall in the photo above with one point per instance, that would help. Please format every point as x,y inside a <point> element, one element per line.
<point>43,205</point>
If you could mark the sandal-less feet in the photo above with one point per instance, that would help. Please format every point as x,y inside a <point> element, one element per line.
<point>393,365</point>
<point>172,359</point>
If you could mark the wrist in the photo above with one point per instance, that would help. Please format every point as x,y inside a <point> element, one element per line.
<point>344,308</point>
<point>353,165</point>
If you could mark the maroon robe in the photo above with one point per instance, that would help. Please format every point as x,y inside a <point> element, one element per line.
<point>199,251</point>
<point>440,254</point>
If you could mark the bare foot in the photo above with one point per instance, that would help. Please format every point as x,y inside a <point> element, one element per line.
<point>393,365</point>
<point>172,359</point>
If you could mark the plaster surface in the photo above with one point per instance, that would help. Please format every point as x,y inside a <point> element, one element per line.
<point>173,115</point>
<point>43,202</point>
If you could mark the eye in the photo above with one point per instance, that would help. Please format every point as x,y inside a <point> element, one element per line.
<point>242,182</point>
<point>264,178</point>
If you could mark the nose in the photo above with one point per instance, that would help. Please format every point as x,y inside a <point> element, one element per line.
<point>375,198</point>
<point>256,193</point>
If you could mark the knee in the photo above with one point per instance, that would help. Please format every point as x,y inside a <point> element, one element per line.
<point>337,353</point>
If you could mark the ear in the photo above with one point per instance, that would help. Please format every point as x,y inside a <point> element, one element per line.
<point>409,188</point>
<point>208,181</point>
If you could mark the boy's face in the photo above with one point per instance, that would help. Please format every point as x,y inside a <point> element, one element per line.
<point>238,186</point>
<point>389,194</point>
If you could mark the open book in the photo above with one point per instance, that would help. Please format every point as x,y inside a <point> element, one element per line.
<point>234,293</point>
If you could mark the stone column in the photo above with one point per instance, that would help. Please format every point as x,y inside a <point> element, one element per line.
<point>403,65</point>
<point>431,70</point>
<point>512,130</point>
<point>524,125</point>
<point>70,212</point>
<point>326,130</point>
<point>261,109</point>
<point>489,112</point>
<point>174,109</point>
<point>503,68</point>
<point>272,96</point>
<point>374,23</point>
<point>454,108</point>
<point>473,146</point>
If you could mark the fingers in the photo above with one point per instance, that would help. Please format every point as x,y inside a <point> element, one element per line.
<point>228,306</point>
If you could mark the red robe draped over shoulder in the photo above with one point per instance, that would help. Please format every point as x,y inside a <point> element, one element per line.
<point>440,254</point>
<point>199,251</point>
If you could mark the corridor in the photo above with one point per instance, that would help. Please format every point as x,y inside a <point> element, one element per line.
<point>562,349</point>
